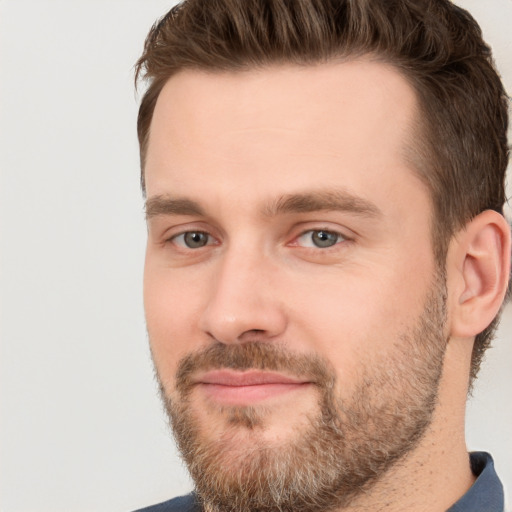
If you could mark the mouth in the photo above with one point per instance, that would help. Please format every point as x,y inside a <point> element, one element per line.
<point>229,387</point>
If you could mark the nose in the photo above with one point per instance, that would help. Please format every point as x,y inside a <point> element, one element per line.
<point>244,300</point>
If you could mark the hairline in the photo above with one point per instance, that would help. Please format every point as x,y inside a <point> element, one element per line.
<point>414,151</point>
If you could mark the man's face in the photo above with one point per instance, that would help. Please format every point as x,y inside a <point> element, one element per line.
<point>292,300</point>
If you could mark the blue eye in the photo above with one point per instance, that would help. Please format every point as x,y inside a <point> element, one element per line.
<point>320,238</point>
<point>192,239</point>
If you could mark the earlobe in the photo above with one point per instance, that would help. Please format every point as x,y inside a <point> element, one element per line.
<point>482,258</point>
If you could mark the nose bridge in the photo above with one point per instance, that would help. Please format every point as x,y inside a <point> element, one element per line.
<point>242,298</point>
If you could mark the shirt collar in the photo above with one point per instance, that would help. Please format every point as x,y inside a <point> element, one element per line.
<point>487,491</point>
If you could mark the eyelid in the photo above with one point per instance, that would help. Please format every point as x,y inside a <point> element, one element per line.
<point>298,242</point>
<point>168,233</point>
<point>179,239</point>
<point>182,245</point>
<point>304,228</point>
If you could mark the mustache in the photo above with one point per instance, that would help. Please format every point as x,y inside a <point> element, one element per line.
<point>253,356</point>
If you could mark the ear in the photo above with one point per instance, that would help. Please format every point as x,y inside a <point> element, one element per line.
<point>479,263</point>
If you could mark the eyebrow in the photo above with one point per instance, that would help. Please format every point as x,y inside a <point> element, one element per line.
<point>322,200</point>
<point>318,200</point>
<point>166,205</point>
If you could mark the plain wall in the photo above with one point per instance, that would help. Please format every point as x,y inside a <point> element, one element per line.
<point>81,425</point>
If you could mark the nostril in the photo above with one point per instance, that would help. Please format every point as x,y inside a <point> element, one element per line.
<point>253,335</point>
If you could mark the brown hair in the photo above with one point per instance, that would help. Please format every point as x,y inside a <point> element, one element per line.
<point>460,149</point>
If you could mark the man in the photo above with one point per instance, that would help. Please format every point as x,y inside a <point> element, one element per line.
<point>327,255</point>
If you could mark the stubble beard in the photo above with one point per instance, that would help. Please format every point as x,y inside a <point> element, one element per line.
<point>343,449</point>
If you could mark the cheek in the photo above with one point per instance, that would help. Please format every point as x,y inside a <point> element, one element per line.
<point>342,329</point>
<point>356,321</point>
<point>171,310</point>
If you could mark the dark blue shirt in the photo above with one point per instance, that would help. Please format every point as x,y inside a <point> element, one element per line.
<point>485,495</point>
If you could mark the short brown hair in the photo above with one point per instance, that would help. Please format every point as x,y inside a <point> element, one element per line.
<point>460,149</point>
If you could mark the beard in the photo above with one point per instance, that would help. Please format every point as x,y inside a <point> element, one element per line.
<point>340,451</point>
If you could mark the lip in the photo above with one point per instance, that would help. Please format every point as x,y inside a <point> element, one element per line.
<point>230,387</point>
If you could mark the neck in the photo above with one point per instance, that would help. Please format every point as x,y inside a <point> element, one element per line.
<point>437,473</point>
<point>431,479</point>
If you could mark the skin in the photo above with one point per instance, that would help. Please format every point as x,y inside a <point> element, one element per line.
<point>224,150</point>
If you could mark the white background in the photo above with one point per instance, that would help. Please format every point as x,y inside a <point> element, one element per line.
<point>81,424</point>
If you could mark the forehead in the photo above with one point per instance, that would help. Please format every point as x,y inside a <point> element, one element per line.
<point>270,129</point>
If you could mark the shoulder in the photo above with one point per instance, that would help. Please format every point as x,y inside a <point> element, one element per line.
<point>186,503</point>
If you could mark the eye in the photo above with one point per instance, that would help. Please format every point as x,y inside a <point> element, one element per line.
<point>319,238</point>
<point>192,239</point>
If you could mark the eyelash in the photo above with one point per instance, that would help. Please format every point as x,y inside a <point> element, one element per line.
<point>173,239</point>
<point>326,232</point>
